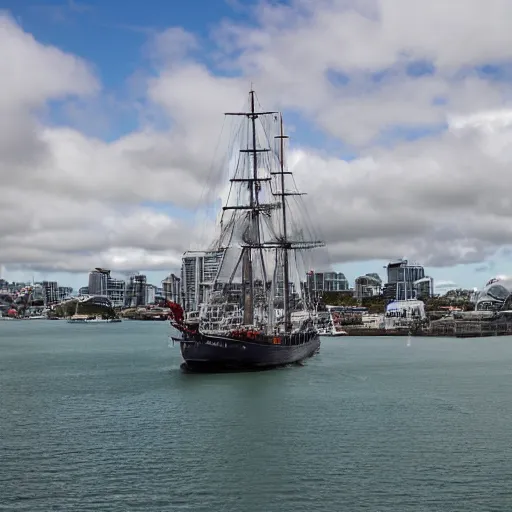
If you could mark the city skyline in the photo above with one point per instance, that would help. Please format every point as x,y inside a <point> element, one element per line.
<point>400,136</point>
<point>79,280</point>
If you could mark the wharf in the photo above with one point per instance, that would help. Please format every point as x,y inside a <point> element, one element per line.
<point>470,329</point>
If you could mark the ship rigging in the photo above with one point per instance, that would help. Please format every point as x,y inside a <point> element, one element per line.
<point>240,324</point>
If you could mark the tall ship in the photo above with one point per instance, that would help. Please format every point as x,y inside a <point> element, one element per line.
<point>255,312</point>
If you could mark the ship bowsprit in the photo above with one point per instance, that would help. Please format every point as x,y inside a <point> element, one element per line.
<point>217,353</point>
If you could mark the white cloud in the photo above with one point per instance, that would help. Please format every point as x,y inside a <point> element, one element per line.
<point>441,287</point>
<point>72,201</point>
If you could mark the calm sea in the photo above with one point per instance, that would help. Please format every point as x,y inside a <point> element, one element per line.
<point>99,417</point>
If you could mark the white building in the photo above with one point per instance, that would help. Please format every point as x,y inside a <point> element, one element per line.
<point>150,294</point>
<point>199,270</point>
<point>172,288</point>
<point>116,291</point>
<point>401,314</point>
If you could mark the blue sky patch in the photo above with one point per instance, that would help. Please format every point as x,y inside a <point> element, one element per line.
<point>337,78</point>
<point>398,133</point>
<point>496,72</point>
<point>420,68</point>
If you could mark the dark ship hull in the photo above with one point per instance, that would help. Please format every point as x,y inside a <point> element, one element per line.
<point>207,353</point>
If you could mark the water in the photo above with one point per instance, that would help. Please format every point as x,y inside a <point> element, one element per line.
<point>99,417</point>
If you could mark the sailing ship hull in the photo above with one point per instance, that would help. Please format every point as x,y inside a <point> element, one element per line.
<point>209,353</point>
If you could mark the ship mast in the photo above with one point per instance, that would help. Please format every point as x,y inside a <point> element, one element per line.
<point>247,270</point>
<point>252,237</point>
<point>286,283</point>
<point>254,208</point>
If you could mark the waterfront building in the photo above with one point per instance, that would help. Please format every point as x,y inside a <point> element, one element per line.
<point>116,291</point>
<point>84,290</point>
<point>159,295</point>
<point>36,291</point>
<point>136,294</point>
<point>64,292</point>
<point>318,282</point>
<point>199,270</point>
<point>369,285</point>
<point>496,295</point>
<point>424,288</point>
<point>50,292</point>
<point>103,284</point>
<point>403,314</point>
<point>98,281</point>
<point>150,294</point>
<point>171,286</point>
<point>407,281</point>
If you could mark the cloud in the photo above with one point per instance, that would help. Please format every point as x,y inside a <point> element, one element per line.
<point>70,202</point>
<point>441,199</point>
<point>348,64</point>
<point>442,287</point>
<point>364,72</point>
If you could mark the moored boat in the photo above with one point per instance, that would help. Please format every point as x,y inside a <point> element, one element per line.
<point>329,322</point>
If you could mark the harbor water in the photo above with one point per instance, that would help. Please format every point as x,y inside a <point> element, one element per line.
<point>100,417</point>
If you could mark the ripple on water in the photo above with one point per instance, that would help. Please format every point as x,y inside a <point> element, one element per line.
<point>104,419</point>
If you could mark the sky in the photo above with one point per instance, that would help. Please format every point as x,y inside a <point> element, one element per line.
<point>399,112</point>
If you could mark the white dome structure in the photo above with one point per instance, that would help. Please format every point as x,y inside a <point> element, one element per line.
<point>496,295</point>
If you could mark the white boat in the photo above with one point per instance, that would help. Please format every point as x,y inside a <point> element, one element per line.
<point>329,323</point>
<point>331,332</point>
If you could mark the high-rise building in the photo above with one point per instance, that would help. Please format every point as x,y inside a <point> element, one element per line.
<point>84,290</point>
<point>150,294</point>
<point>407,281</point>
<point>103,284</point>
<point>369,285</point>
<point>50,292</point>
<point>98,281</point>
<point>326,282</point>
<point>64,292</point>
<point>199,270</point>
<point>116,289</point>
<point>136,291</point>
<point>172,288</point>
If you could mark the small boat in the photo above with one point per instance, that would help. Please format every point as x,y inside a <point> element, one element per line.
<point>329,323</point>
<point>331,332</point>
